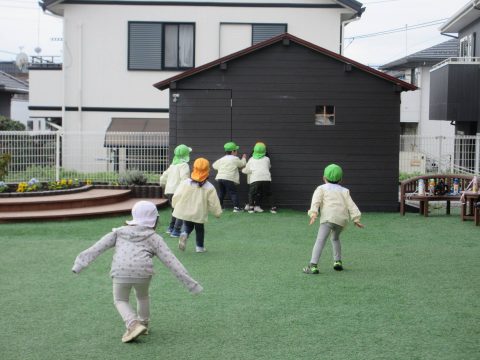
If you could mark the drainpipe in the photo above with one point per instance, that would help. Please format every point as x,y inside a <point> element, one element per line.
<point>342,32</point>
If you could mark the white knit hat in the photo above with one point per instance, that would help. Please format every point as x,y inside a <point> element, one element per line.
<point>144,213</point>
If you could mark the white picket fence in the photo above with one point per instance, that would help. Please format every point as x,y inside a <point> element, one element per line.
<point>105,157</point>
<point>99,157</point>
<point>458,154</point>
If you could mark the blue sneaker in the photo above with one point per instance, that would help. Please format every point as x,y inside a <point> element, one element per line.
<point>169,230</point>
<point>175,234</point>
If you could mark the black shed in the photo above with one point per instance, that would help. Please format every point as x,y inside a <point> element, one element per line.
<point>310,106</point>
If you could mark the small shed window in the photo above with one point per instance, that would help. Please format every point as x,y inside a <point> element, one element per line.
<point>325,115</point>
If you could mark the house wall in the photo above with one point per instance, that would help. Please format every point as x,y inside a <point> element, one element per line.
<point>274,93</point>
<point>46,92</point>
<point>472,28</point>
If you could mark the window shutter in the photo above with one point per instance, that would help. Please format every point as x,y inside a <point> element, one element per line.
<point>145,46</point>
<point>262,32</point>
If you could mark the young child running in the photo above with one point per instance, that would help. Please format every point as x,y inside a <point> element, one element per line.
<point>228,177</point>
<point>259,180</point>
<point>193,200</point>
<point>171,178</point>
<point>132,265</point>
<point>336,207</point>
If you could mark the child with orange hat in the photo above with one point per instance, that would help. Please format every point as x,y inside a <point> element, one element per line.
<point>192,201</point>
<point>336,208</point>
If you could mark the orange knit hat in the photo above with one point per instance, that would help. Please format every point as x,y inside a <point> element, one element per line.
<point>201,169</point>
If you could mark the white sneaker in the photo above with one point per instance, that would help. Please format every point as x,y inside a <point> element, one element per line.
<point>134,330</point>
<point>237,210</point>
<point>182,241</point>
<point>258,209</point>
<point>199,249</point>
<point>248,207</point>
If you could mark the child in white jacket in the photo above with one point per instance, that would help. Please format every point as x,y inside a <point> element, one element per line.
<point>259,180</point>
<point>132,265</point>
<point>193,200</point>
<point>336,209</point>
<point>171,178</point>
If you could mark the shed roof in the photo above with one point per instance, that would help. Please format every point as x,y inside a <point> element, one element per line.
<point>426,57</point>
<point>164,84</point>
<point>8,83</point>
<point>354,5</point>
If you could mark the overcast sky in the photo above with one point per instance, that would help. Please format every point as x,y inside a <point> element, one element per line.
<point>24,25</point>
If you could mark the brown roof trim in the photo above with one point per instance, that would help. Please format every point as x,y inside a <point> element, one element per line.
<point>164,84</point>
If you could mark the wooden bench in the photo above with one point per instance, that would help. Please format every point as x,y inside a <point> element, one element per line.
<point>408,191</point>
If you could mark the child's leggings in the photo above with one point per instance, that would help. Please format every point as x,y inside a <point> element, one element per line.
<point>323,232</point>
<point>121,296</point>
<point>199,231</point>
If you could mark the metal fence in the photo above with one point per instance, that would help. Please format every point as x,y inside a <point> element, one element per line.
<point>458,154</point>
<point>106,157</point>
<point>99,157</point>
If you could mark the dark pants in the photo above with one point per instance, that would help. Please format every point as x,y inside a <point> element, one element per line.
<point>199,231</point>
<point>259,193</point>
<point>175,224</point>
<point>228,187</point>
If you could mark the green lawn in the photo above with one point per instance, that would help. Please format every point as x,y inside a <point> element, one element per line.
<point>410,290</point>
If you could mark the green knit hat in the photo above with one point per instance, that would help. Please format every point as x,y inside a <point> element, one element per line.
<point>259,150</point>
<point>182,154</point>
<point>231,146</point>
<point>333,173</point>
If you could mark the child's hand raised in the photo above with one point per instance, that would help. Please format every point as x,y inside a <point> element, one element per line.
<point>359,224</point>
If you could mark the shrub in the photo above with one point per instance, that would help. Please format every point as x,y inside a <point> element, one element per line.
<point>4,162</point>
<point>134,177</point>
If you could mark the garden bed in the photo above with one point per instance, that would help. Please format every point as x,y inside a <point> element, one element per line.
<point>44,192</point>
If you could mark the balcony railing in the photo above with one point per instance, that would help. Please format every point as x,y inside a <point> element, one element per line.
<point>42,62</point>
<point>457,60</point>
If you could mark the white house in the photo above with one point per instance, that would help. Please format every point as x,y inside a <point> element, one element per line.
<point>114,51</point>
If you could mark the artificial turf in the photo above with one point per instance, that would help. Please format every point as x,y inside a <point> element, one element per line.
<point>410,290</point>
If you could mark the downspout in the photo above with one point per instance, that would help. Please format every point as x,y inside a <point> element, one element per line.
<point>342,32</point>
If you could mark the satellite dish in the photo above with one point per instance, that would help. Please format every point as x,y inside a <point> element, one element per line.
<point>22,62</point>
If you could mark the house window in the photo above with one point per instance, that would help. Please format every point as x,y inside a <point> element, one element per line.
<point>262,32</point>
<point>467,46</point>
<point>160,46</point>
<point>325,115</point>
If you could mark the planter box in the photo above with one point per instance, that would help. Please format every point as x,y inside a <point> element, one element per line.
<point>146,191</point>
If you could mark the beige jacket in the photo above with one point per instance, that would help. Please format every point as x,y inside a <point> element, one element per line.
<point>193,203</point>
<point>335,204</point>
<point>173,176</point>
<point>227,168</point>
<point>258,170</point>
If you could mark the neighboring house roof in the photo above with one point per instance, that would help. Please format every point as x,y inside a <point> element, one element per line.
<point>462,18</point>
<point>162,85</point>
<point>427,57</point>
<point>11,84</point>
<point>352,4</point>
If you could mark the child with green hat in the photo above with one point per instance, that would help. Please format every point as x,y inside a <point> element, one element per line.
<point>259,180</point>
<point>228,177</point>
<point>336,208</point>
<point>171,178</point>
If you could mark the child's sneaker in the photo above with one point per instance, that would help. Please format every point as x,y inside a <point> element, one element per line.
<point>199,249</point>
<point>182,241</point>
<point>134,330</point>
<point>337,265</point>
<point>175,234</point>
<point>257,209</point>
<point>237,209</point>
<point>248,207</point>
<point>273,210</point>
<point>169,230</point>
<point>145,323</point>
<point>311,269</point>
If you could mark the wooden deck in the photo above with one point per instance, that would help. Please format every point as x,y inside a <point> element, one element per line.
<point>92,203</point>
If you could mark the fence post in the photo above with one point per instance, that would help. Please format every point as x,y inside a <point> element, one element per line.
<point>440,138</point>
<point>477,154</point>
<point>57,156</point>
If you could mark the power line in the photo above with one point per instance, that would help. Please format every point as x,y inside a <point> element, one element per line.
<point>405,28</point>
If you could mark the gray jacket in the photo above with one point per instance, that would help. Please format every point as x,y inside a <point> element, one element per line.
<point>134,248</point>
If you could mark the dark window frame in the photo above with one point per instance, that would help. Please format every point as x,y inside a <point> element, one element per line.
<point>162,44</point>
<point>260,24</point>
<point>327,113</point>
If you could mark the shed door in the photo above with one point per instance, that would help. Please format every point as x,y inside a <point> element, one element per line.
<point>203,121</point>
